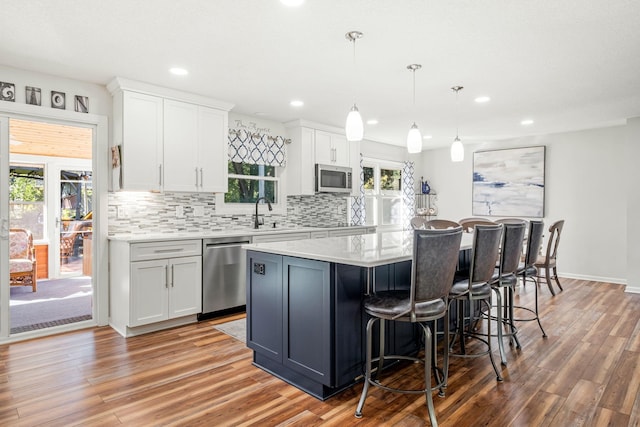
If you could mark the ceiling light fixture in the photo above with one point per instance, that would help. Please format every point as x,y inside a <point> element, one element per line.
<point>526,122</point>
<point>482,99</point>
<point>414,139</point>
<point>177,71</point>
<point>372,122</point>
<point>296,103</point>
<point>457,149</point>
<point>354,127</point>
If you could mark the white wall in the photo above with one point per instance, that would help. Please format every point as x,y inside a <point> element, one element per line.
<point>584,185</point>
<point>99,98</point>
<point>632,180</point>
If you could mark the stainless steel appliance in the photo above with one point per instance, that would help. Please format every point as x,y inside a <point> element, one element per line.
<point>333,179</point>
<point>223,274</point>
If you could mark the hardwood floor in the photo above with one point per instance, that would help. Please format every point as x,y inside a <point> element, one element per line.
<point>587,372</point>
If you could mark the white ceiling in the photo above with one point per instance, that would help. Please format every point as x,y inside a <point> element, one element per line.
<point>568,64</point>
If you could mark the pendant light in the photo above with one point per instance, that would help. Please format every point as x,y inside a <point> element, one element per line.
<point>457,149</point>
<point>354,129</point>
<point>414,138</point>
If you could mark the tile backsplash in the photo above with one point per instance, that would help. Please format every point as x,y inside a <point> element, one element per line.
<point>142,213</point>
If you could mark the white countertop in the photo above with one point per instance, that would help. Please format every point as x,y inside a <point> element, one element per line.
<point>166,236</point>
<point>368,250</point>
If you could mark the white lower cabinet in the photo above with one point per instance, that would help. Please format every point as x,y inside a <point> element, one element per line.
<point>154,285</point>
<point>165,289</point>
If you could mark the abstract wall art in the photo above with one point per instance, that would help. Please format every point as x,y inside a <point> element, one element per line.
<point>509,182</point>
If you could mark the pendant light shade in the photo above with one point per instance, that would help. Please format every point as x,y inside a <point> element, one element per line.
<point>457,149</point>
<point>414,138</point>
<point>354,128</point>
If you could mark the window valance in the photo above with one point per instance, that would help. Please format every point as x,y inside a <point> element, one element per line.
<point>258,149</point>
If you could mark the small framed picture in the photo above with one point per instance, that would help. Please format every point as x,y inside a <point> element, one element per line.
<point>7,92</point>
<point>82,104</point>
<point>33,95</point>
<point>58,100</point>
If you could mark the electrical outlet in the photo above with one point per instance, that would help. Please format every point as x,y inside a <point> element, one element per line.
<point>121,212</point>
<point>179,211</point>
<point>198,211</point>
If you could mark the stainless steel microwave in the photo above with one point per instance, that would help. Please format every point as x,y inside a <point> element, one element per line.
<point>333,179</point>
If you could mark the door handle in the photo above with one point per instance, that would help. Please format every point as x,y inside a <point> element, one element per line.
<point>196,177</point>
<point>4,229</point>
<point>201,180</point>
<point>160,175</point>
<point>166,280</point>
<point>172,275</point>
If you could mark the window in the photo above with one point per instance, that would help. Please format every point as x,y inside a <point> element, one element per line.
<point>383,193</point>
<point>26,198</point>
<point>248,182</point>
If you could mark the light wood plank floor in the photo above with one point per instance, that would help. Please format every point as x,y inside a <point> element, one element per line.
<point>587,372</point>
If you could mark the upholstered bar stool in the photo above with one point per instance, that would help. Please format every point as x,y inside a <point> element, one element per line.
<point>434,260</point>
<point>484,256</point>
<point>528,271</point>
<point>469,224</point>
<point>504,281</point>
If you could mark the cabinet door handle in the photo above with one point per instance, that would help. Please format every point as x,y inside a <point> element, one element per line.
<point>196,177</point>
<point>172,275</point>
<point>166,280</point>
<point>201,180</point>
<point>160,175</point>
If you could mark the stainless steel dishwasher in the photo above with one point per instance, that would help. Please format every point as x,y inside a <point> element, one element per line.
<point>223,274</point>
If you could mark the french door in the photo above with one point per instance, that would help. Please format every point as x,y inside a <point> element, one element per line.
<point>4,226</point>
<point>47,188</point>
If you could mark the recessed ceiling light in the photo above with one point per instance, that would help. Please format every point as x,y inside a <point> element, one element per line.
<point>427,137</point>
<point>526,122</point>
<point>178,71</point>
<point>296,103</point>
<point>482,99</point>
<point>292,3</point>
<point>372,122</point>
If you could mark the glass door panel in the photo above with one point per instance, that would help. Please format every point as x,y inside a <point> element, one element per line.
<point>75,222</point>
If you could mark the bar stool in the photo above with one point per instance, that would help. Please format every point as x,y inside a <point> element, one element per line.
<point>484,256</point>
<point>435,256</point>
<point>528,270</point>
<point>548,261</point>
<point>505,280</point>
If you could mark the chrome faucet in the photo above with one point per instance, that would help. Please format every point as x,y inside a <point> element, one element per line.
<point>256,224</point>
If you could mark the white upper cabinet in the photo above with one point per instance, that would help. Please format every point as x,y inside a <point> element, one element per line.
<point>195,148</point>
<point>213,150</point>
<point>171,141</point>
<point>138,130</point>
<point>331,149</point>
<point>180,146</point>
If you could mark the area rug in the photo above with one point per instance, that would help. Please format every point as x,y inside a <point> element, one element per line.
<point>56,302</point>
<point>236,329</point>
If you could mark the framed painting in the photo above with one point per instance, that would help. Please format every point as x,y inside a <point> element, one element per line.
<point>509,182</point>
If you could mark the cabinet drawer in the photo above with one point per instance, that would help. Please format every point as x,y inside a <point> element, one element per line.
<point>169,249</point>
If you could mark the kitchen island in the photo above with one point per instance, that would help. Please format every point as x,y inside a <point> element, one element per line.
<point>305,321</point>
